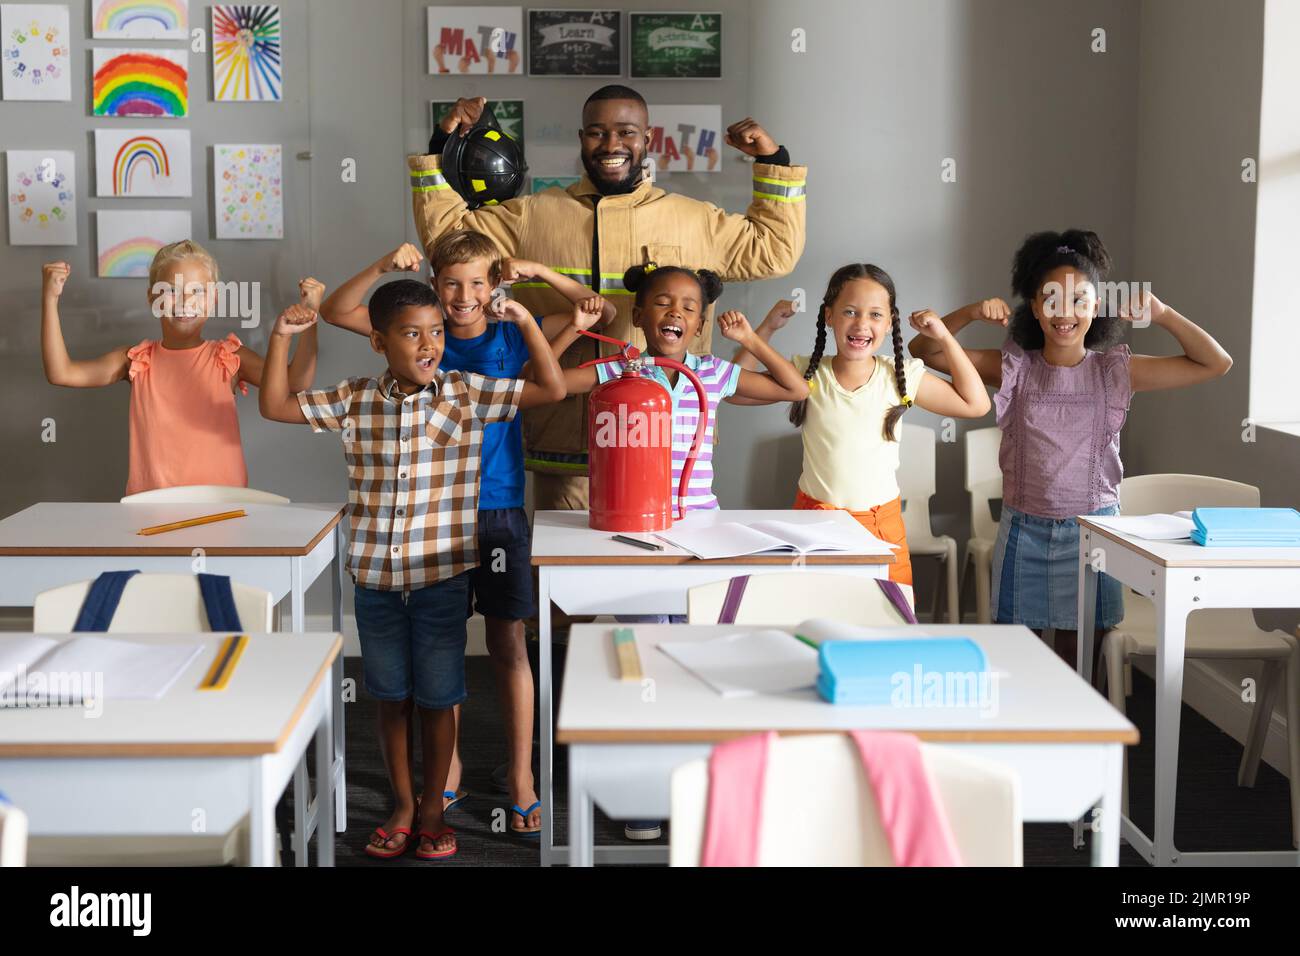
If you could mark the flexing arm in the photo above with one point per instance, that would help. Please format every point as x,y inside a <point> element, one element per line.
<point>344,307</point>
<point>274,398</point>
<point>781,383</point>
<point>60,368</point>
<point>520,270</point>
<point>303,367</point>
<point>776,318</point>
<point>543,382</point>
<point>1203,358</point>
<point>965,396</point>
<point>987,362</point>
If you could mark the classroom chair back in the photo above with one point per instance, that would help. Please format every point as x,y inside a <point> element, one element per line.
<point>1165,494</point>
<point>13,834</point>
<point>819,808</point>
<point>152,604</point>
<point>787,598</point>
<point>201,494</point>
<point>983,480</point>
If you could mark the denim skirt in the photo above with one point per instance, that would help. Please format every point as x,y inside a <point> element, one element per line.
<point>1035,579</point>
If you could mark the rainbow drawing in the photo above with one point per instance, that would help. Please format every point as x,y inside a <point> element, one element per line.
<point>140,83</point>
<point>141,19</point>
<point>128,239</point>
<point>129,258</point>
<point>246,52</point>
<point>142,153</point>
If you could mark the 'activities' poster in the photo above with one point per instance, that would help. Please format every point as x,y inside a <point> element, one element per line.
<point>676,45</point>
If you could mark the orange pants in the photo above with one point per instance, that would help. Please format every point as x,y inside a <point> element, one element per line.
<point>884,521</point>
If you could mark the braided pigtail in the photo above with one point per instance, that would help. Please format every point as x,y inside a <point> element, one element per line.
<point>900,380</point>
<point>799,410</point>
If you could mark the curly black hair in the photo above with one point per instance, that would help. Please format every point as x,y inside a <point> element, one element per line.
<point>640,279</point>
<point>1038,255</point>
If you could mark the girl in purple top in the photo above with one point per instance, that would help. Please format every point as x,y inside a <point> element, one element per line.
<point>1064,381</point>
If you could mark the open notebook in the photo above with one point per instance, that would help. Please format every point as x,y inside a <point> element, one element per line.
<point>731,539</point>
<point>35,670</point>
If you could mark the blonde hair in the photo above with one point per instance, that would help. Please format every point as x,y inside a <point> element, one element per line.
<point>465,245</point>
<point>176,252</point>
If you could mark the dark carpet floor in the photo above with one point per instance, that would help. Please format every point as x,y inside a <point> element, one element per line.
<point>1213,812</point>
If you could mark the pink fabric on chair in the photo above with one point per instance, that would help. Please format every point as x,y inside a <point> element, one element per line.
<point>911,814</point>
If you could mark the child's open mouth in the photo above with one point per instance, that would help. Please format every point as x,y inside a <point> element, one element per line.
<point>1064,329</point>
<point>859,341</point>
<point>673,333</point>
<point>463,311</point>
<point>424,364</point>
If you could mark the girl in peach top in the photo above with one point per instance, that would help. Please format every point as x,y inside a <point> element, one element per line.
<point>184,425</point>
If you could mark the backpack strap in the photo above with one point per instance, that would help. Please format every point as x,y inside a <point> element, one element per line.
<point>101,601</point>
<point>731,603</point>
<point>898,599</point>
<point>219,602</point>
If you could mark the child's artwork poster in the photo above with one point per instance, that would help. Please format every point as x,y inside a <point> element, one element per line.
<point>676,45</point>
<point>553,182</point>
<point>575,43</point>
<point>249,191</point>
<point>476,40</point>
<point>141,20</point>
<point>142,162</point>
<point>140,83</point>
<point>127,240</point>
<point>509,114</point>
<point>42,197</point>
<point>246,53</point>
<point>686,139</point>
<point>34,40</point>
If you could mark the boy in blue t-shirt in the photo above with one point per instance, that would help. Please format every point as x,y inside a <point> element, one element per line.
<point>466,271</point>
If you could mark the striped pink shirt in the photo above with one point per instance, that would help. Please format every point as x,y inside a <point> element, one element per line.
<point>720,379</point>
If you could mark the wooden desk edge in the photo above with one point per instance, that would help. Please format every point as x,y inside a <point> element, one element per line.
<point>249,748</point>
<point>772,559</point>
<point>1209,561</point>
<point>1128,737</point>
<point>174,552</point>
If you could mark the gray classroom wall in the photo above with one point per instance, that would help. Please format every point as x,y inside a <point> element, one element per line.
<point>1045,134</point>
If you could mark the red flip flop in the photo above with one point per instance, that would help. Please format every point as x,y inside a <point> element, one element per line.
<point>434,838</point>
<point>382,853</point>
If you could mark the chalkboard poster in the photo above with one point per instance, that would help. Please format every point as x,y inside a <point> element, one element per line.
<point>676,45</point>
<point>509,114</point>
<point>575,43</point>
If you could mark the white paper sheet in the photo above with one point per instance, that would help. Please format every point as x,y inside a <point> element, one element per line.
<point>748,663</point>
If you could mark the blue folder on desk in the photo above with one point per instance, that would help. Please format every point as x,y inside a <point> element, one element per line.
<point>876,672</point>
<point>1246,527</point>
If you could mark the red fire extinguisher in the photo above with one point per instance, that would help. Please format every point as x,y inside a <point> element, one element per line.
<point>630,444</point>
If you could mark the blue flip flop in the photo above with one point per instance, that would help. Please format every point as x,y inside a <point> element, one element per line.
<point>523,815</point>
<point>456,798</point>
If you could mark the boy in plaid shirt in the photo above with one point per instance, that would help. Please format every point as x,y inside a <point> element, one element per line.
<point>412,439</point>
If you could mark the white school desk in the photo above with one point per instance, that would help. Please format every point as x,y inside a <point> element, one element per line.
<point>1180,577</point>
<point>149,767</point>
<point>1061,736</point>
<point>587,572</point>
<point>279,548</point>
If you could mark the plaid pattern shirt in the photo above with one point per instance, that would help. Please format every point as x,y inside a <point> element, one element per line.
<point>413,470</point>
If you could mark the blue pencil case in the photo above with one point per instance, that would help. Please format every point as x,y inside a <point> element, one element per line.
<point>1246,527</point>
<point>878,673</point>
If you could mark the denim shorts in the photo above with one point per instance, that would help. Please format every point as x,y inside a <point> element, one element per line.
<point>413,642</point>
<point>502,585</point>
<point>1036,574</point>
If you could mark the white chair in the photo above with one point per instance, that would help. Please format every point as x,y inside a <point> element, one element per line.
<point>151,603</point>
<point>198,494</point>
<point>1212,634</point>
<point>787,598</point>
<point>820,810</point>
<point>159,604</point>
<point>916,483</point>
<point>984,483</point>
<point>13,834</point>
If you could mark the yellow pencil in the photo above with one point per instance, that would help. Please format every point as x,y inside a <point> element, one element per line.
<point>223,665</point>
<point>191,522</point>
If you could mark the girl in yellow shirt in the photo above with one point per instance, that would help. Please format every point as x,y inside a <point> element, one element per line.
<point>849,421</point>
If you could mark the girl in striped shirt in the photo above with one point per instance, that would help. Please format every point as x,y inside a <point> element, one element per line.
<point>669,310</point>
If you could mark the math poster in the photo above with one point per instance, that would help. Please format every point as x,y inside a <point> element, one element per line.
<point>676,45</point>
<point>575,43</point>
<point>481,40</point>
<point>509,114</point>
<point>686,139</point>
